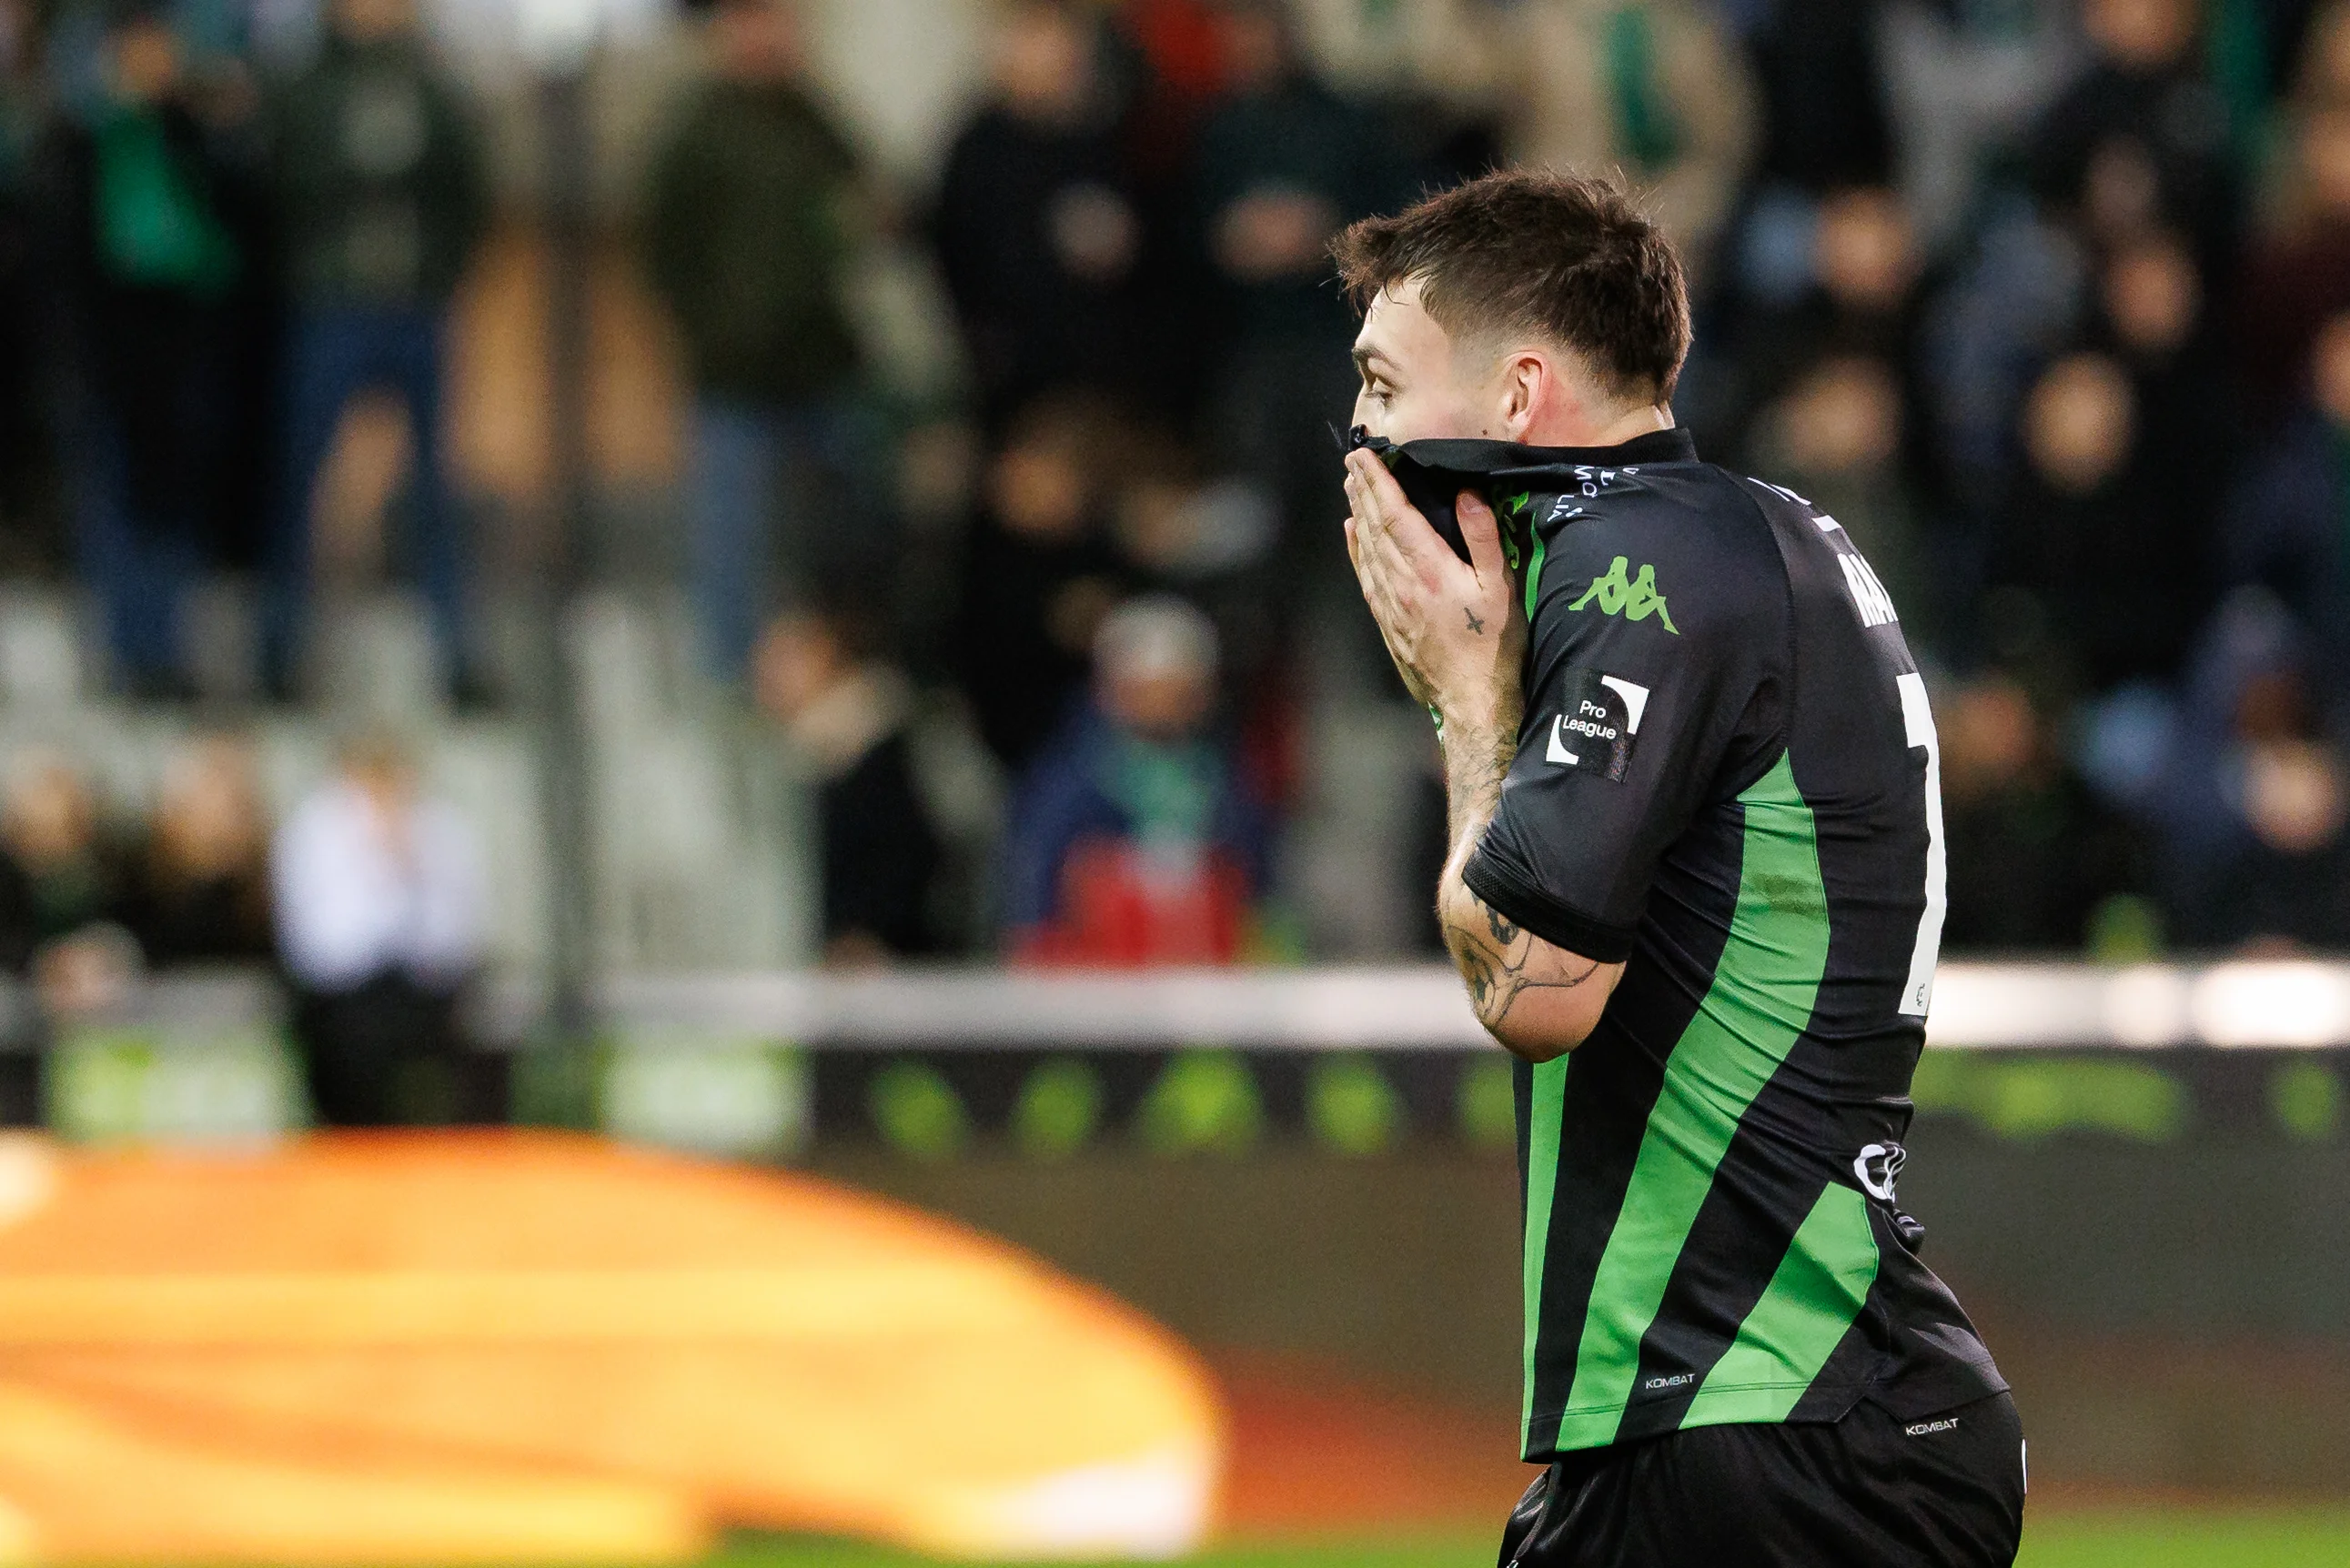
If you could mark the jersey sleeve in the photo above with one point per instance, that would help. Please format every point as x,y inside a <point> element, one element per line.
<point>1654,674</point>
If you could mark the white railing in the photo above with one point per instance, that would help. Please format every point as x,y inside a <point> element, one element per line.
<point>1977,1005</point>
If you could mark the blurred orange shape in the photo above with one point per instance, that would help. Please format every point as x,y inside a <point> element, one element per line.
<point>763,1349</point>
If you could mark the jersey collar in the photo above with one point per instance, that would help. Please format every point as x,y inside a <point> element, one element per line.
<point>1433,473</point>
<point>1499,458</point>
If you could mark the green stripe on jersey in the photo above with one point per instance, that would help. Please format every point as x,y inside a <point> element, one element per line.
<point>1546,1114</point>
<point>1801,1319</point>
<point>1533,574</point>
<point>1760,1003</point>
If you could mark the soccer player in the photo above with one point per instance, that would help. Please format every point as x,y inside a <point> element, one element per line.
<point>1695,887</point>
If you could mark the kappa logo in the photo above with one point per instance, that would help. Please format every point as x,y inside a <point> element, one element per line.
<point>1677,1380</point>
<point>1927,1429</point>
<point>1634,599</point>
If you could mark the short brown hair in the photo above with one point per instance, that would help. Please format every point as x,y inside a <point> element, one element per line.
<point>1566,255</point>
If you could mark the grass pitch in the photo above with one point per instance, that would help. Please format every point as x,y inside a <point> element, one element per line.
<point>2278,1539</point>
<point>2316,1538</point>
<point>2281,1538</point>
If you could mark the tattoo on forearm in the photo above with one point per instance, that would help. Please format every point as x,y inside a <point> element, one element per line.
<point>1479,976</point>
<point>1503,962</point>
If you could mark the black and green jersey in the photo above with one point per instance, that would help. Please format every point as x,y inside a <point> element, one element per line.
<point>1727,779</point>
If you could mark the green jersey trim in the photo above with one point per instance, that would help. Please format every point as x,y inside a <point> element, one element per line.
<point>1804,1316</point>
<point>1760,1001</point>
<point>1546,1116</point>
<point>1533,574</point>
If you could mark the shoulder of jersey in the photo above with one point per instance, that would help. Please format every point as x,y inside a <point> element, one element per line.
<point>1803,520</point>
<point>1683,534</point>
<point>1816,530</point>
<point>1776,498</point>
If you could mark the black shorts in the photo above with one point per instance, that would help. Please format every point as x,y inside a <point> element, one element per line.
<point>1873,1491</point>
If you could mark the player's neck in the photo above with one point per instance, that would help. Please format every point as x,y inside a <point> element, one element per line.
<point>1584,427</point>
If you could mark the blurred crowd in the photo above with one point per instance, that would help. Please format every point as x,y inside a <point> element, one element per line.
<point>2047,300</point>
<point>366,901</point>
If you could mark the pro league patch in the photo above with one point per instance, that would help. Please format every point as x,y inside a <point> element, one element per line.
<point>1599,721</point>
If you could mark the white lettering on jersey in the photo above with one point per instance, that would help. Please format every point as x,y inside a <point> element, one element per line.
<point>1868,595</point>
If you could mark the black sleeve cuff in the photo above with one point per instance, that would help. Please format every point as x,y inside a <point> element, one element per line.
<point>1507,893</point>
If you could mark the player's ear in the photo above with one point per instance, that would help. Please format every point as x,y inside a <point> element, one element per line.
<point>1524,384</point>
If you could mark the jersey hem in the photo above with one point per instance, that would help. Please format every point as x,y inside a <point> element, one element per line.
<point>1907,1396</point>
<point>1944,1388</point>
<point>1508,894</point>
<point>1830,1404</point>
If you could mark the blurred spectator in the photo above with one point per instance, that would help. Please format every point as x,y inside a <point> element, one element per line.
<point>2319,67</point>
<point>848,713</point>
<point>28,499</point>
<point>2268,866</point>
<point>1852,289</point>
<point>2015,300</point>
<point>1821,394</point>
<point>749,229</point>
<point>383,199</point>
<point>198,888</point>
<point>1169,63</point>
<point>2141,140</point>
<point>1133,840</point>
<point>1963,82</point>
<point>1655,88</point>
<point>60,886</point>
<point>152,211</point>
<point>2300,274</point>
<point>379,905</point>
<point>2255,47</point>
<point>2288,523</point>
<point>1835,437</point>
<point>1037,577</point>
<point>1038,233</point>
<point>2116,567</point>
<point>2113,560</point>
<point>2150,309</point>
<point>2292,888</point>
<point>2151,295</point>
<point>2033,858</point>
<point>1824,111</point>
<point>1180,529</point>
<point>1179,57</point>
<point>1283,162</point>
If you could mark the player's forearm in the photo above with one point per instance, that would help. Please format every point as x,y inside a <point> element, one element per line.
<point>1539,1001</point>
<point>1479,746</point>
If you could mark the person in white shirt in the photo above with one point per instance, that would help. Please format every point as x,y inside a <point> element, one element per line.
<point>379,901</point>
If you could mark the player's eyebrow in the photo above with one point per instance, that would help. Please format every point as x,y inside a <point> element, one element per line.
<point>1364,358</point>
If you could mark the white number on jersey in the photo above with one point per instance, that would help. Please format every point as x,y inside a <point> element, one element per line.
<point>1918,719</point>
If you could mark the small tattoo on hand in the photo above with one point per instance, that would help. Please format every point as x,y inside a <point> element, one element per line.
<point>1475,626</point>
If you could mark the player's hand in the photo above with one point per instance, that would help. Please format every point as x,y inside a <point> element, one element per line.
<point>1454,628</point>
